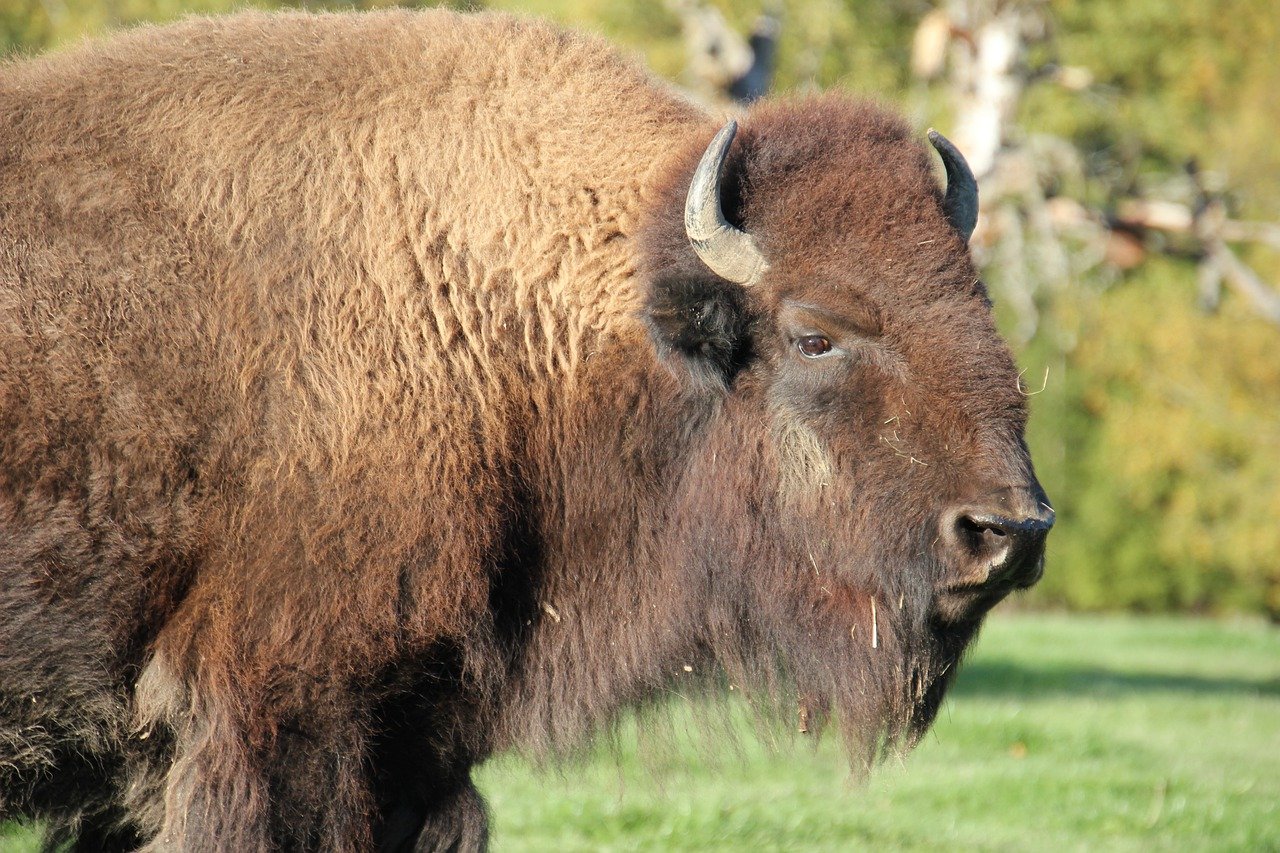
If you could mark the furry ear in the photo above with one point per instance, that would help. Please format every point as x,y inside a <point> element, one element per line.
<point>704,323</point>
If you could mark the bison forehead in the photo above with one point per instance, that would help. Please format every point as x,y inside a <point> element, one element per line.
<point>827,171</point>
<point>846,203</point>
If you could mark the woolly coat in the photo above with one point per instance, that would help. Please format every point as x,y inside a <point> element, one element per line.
<point>279,299</point>
<point>364,411</point>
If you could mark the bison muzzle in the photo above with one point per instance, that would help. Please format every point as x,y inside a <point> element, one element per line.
<point>379,393</point>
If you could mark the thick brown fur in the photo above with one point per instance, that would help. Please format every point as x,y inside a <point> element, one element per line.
<point>364,412</point>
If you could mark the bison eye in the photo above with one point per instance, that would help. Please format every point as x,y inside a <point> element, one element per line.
<point>813,346</point>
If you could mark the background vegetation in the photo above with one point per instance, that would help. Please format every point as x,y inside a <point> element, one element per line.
<point>1157,432</point>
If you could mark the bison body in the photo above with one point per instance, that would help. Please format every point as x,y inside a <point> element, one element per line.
<point>370,403</point>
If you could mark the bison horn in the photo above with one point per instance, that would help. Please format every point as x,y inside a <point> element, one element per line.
<point>729,252</point>
<point>961,202</point>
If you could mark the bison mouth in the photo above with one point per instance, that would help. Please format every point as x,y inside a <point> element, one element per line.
<point>963,601</point>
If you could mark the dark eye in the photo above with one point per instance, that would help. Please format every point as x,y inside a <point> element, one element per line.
<point>813,346</point>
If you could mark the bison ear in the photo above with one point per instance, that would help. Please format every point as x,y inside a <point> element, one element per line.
<point>703,323</point>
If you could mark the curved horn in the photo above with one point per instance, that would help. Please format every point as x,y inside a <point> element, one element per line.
<point>961,202</point>
<point>729,252</point>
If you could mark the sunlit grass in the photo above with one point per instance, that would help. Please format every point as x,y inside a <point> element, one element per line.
<point>1063,732</point>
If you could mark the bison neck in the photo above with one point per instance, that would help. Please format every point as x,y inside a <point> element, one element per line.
<point>594,605</point>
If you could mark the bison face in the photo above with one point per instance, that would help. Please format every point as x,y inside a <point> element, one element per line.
<point>873,495</point>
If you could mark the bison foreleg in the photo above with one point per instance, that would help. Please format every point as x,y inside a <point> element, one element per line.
<point>212,795</point>
<point>284,777</point>
<point>456,823</point>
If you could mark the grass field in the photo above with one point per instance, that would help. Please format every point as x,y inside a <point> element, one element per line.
<point>1097,733</point>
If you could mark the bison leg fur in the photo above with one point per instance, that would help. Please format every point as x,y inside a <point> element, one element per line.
<point>455,823</point>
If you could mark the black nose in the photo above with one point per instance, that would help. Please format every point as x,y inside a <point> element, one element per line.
<point>988,548</point>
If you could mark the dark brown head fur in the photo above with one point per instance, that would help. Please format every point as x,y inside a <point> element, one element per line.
<point>848,465</point>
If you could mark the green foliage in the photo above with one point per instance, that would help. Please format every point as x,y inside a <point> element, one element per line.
<point>1177,80</point>
<point>1160,437</point>
<point>1156,433</point>
<point>1172,473</point>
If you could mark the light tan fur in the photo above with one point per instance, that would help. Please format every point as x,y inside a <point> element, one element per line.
<point>805,469</point>
<point>336,274</point>
<point>361,251</point>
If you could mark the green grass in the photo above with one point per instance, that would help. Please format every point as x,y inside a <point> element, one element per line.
<point>1063,732</point>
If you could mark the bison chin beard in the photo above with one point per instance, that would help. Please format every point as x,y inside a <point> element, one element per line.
<point>876,666</point>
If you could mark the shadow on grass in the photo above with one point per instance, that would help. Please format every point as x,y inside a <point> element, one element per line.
<point>1001,678</point>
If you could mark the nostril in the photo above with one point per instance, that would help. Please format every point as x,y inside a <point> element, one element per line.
<point>982,538</point>
<point>991,550</point>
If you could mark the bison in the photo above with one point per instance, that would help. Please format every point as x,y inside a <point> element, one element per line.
<point>382,392</point>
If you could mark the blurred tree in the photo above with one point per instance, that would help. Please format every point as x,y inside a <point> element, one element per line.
<point>1173,468</point>
<point>1160,436</point>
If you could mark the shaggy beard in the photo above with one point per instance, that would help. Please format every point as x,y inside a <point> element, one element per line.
<point>876,665</point>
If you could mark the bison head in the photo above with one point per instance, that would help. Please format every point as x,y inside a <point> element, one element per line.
<point>864,493</point>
